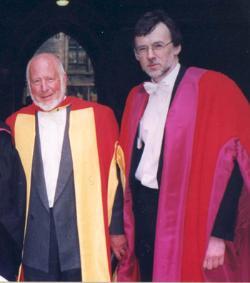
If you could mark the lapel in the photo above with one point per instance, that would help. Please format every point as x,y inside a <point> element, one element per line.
<point>176,84</point>
<point>136,111</point>
<point>65,169</point>
<point>37,170</point>
<point>66,166</point>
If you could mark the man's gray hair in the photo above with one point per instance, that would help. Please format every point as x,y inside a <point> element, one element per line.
<point>57,60</point>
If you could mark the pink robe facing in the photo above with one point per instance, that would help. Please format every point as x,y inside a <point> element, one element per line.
<point>207,128</point>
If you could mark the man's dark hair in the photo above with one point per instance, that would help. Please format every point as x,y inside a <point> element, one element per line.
<point>150,20</point>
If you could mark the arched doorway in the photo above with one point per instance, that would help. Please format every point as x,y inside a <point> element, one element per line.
<point>77,65</point>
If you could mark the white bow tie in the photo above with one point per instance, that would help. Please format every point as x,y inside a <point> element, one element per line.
<point>153,88</point>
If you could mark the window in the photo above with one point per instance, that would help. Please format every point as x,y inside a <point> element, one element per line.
<point>77,65</point>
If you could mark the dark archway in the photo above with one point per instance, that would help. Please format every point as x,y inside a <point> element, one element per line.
<point>29,38</point>
<point>77,64</point>
<point>216,36</point>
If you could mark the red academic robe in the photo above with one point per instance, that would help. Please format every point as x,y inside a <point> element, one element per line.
<point>207,128</point>
<point>93,133</point>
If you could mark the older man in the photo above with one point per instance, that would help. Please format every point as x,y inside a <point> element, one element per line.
<point>67,148</point>
<point>186,141</point>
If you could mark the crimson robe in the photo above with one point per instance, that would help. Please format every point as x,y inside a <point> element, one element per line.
<point>207,129</point>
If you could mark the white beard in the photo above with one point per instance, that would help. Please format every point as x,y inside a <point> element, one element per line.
<point>54,103</point>
<point>48,107</point>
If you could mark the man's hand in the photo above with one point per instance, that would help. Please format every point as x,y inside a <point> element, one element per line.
<point>215,253</point>
<point>118,245</point>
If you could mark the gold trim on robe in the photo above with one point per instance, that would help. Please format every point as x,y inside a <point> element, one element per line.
<point>88,192</point>
<point>88,187</point>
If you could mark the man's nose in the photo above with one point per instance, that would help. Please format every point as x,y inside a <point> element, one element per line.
<point>44,85</point>
<point>150,53</point>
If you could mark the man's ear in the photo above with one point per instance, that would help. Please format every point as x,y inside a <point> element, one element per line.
<point>177,50</point>
<point>136,56</point>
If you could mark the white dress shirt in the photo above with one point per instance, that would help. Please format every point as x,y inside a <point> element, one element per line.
<point>151,128</point>
<point>51,131</point>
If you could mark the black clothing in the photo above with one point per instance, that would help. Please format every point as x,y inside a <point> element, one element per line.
<point>12,206</point>
<point>55,273</point>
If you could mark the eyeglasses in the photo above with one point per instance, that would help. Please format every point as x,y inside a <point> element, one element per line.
<point>156,47</point>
